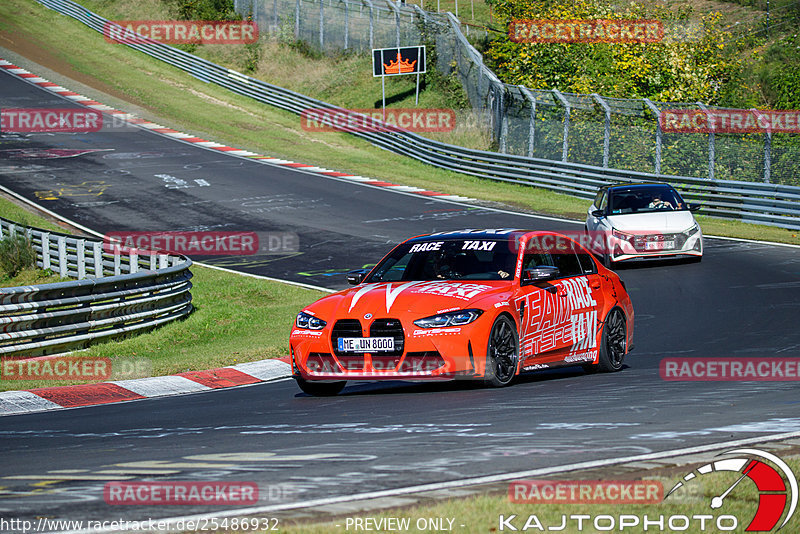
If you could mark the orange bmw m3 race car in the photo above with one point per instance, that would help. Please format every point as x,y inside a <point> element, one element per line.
<point>476,304</point>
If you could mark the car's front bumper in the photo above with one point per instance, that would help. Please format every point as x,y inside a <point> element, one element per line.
<point>427,354</point>
<point>684,246</point>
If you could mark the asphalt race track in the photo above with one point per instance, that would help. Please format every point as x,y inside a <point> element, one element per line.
<point>742,300</point>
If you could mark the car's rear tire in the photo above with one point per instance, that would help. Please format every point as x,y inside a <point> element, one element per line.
<point>502,353</point>
<point>320,389</point>
<point>613,342</point>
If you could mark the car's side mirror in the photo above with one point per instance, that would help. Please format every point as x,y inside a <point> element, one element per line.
<point>356,277</point>
<point>693,207</point>
<point>539,273</point>
<point>598,213</point>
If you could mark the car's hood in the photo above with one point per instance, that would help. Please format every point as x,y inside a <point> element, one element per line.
<point>658,222</point>
<point>393,299</point>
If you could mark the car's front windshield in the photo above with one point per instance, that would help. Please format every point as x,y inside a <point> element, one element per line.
<point>644,200</point>
<point>448,259</point>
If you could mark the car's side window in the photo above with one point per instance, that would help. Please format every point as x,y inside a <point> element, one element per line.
<point>567,263</point>
<point>587,264</point>
<point>532,260</point>
<point>603,201</point>
<point>599,198</point>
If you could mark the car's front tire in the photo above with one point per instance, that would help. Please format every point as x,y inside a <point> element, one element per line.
<point>502,353</point>
<point>320,389</point>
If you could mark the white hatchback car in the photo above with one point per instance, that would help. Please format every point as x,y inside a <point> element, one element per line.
<point>643,221</point>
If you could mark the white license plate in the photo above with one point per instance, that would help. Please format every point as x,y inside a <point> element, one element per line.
<point>366,344</point>
<point>659,245</point>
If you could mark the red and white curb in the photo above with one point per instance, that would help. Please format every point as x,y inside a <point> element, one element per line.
<point>142,123</point>
<point>60,397</point>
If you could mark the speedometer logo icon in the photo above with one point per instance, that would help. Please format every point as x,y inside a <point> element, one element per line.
<point>776,484</point>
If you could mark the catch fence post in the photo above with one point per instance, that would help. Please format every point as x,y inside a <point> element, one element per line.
<point>606,127</point>
<point>659,134</point>
<point>767,148</point>
<point>532,127</point>
<point>567,109</point>
<point>711,142</point>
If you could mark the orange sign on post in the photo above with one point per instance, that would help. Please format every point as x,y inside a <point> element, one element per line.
<point>396,62</point>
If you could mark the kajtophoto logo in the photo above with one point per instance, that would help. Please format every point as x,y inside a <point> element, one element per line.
<point>775,499</point>
<point>774,481</point>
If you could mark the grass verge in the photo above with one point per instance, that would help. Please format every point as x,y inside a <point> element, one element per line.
<point>170,96</point>
<point>236,319</point>
<point>482,513</point>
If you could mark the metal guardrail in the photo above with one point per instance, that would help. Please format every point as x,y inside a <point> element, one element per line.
<point>757,202</point>
<point>116,294</point>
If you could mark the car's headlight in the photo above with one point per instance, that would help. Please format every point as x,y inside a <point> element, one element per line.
<point>455,318</point>
<point>692,230</point>
<point>309,322</point>
<point>622,235</point>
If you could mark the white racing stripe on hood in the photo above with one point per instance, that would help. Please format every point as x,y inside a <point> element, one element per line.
<point>392,294</point>
<point>360,293</point>
<point>463,291</point>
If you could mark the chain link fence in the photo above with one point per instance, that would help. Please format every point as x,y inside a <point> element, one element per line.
<point>577,128</point>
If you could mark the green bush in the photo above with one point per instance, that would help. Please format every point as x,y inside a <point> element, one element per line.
<point>676,69</point>
<point>16,254</point>
<point>204,9</point>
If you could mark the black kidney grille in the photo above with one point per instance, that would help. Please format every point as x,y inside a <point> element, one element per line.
<point>345,328</point>
<point>388,328</point>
